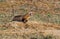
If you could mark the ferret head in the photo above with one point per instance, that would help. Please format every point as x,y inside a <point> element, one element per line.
<point>30,13</point>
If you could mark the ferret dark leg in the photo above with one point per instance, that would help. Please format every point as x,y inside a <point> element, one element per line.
<point>24,20</point>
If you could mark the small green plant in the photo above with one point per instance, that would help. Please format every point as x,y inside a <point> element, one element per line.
<point>50,37</point>
<point>48,14</point>
<point>2,0</point>
<point>3,28</point>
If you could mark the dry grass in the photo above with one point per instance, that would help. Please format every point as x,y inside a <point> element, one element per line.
<point>30,30</point>
<point>32,25</point>
<point>46,11</point>
<point>45,24</point>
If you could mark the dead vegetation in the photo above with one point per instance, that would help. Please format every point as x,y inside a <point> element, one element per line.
<point>30,30</point>
<point>29,25</point>
<point>45,24</point>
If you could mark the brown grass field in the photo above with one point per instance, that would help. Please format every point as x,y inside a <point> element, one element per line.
<point>30,30</point>
<point>44,24</point>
